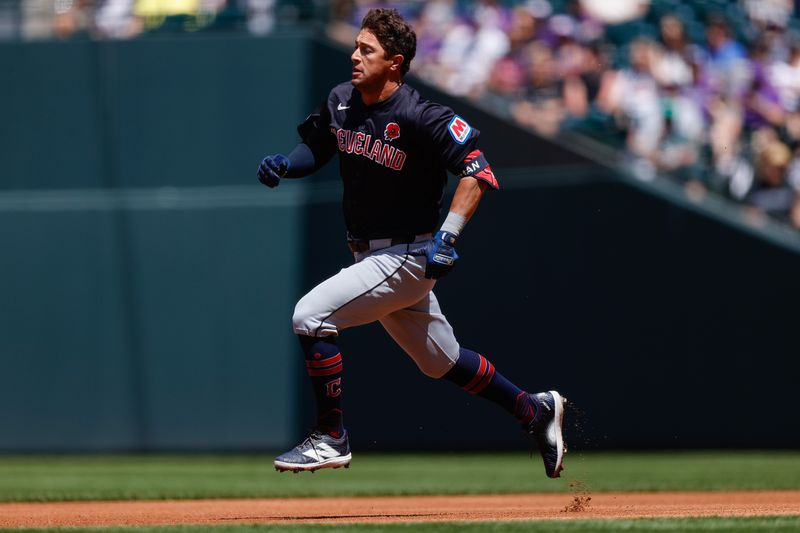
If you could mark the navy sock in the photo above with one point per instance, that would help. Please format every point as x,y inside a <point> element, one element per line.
<point>477,375</point>
<point>324,367</point>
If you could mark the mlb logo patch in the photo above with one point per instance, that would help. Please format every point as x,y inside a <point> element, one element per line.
<point>459,129</point>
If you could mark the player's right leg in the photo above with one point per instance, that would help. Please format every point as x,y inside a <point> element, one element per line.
<point>425,334</point>
<point>541,415</point>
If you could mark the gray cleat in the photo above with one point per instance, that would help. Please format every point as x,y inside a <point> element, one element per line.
<point>319,450</point>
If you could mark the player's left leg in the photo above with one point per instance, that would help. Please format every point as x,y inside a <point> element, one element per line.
<point>424,333</point>
<point>328,445</point>
<point>377,284</point>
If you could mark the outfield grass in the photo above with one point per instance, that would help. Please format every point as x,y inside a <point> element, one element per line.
<point>683,525</point>
<point>158,477</point>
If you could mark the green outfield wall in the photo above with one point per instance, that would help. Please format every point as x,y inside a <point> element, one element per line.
<point>145,274</point>
<point>147,281</point>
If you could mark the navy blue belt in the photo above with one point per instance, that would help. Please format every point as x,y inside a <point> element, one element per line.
<point>357,245</point>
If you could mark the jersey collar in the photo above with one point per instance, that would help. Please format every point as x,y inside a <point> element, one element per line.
<point>383,103</point>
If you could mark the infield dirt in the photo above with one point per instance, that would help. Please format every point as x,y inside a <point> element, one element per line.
<point>401,509</point>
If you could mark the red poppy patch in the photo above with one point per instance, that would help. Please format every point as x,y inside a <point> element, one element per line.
<point>392,131</point>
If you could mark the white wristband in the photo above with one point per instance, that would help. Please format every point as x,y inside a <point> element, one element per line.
<point>454,223</point>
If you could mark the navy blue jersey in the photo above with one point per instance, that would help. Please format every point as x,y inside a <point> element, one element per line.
<point>393,158</point>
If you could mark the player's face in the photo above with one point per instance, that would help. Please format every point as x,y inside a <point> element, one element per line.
<point>371,67</point>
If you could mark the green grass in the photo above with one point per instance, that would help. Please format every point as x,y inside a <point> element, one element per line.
<point>683,525</point>
<point>53,478</point>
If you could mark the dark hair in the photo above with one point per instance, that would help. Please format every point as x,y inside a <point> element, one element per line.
<point>394,34</point>
<point>715,19</point>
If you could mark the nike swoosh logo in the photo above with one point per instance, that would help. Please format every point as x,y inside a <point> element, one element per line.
<point>341,107</point>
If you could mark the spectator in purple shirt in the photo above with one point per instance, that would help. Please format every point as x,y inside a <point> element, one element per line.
<point>762,103</point>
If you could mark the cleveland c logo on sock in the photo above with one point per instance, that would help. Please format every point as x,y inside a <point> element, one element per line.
<point>333,388</point>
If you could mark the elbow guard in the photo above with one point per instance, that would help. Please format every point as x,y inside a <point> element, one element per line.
<point>476,166</point>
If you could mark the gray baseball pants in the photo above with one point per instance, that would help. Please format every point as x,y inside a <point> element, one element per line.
<point>385,284</point>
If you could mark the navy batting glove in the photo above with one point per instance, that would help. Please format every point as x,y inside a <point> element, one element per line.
<point>272,169</point>
<point>441,255</point>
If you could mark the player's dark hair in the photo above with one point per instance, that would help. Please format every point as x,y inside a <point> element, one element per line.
<point>394,34</point>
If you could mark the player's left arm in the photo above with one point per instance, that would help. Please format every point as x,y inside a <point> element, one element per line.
<point>465,200</point>
<point>477,178</point>
<point>455,142</point>
<point>442,255</point>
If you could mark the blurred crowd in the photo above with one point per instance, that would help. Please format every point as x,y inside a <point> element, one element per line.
<point>705,91</point>
<point>124,19</point>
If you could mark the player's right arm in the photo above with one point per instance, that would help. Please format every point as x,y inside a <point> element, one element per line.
<point>316,148</point>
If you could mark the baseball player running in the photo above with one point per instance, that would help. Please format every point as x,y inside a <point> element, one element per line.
<point>394,153</point>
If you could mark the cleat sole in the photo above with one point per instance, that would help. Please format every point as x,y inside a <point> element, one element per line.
<point>560,402</point>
